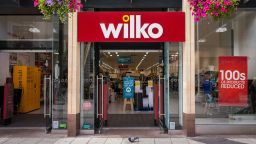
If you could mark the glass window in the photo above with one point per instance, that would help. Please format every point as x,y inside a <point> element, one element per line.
<point>87,86</point>
<point>231,37</point>
<point>60,74</point>
<point>26,32</point>
<point>175,82</point>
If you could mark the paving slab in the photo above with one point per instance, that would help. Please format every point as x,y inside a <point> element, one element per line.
<point>2,140</point>
<point>31,140</point>
<point>126,141</point>
<point>114,141</point>
<point>179,140</point>
<point>65,141</point>
<point>146,141</point>
<point>48,140</point>
<point>243,140</point>
<point>81,141</point>
<point>97,141</point>
<point>163,141</point>
<point>14,141</point>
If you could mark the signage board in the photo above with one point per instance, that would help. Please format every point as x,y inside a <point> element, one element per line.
<point>233,81</point>
<point>131,26</point>
<point>128,87</point>
<point>124,60</point>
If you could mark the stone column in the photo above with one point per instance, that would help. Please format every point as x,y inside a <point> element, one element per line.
<point>73,77</point>
<point>189,73</point>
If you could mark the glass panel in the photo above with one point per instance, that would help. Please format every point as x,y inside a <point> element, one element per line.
<point>175,64</point>
<point>60,74</point>
<point>26,44</point>
<point>166,84</point>
<point>25,33</point>
<point>232,37</point>
<point>87,86</point>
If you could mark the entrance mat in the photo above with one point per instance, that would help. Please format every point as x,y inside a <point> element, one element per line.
<point>26,120</point>
<point>130,120</point>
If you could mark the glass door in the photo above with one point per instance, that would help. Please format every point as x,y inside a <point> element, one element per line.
<point>48,103</point>
<point>161,95</point>
<point>102,101</point>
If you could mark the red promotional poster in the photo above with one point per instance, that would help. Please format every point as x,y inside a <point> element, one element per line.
<point>131,27</point>
<point>233,81</point>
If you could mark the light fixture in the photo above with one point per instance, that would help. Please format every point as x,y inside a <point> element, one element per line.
<point>201,40</point>
<point>116,52</point>
<point>117,55</point>
<point>156,64</point>
<point>221,29</point>
<point>145,55</point>
<point>146,52</point>
<point>111,55</point>
<point>34,30</point>
<point>108,52</point>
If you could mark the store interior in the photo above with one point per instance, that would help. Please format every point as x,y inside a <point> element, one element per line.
<point>144,68</point>
<point>231,37</point>
<point>24,106</point>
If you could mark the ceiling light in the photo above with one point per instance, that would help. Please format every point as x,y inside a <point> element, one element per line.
<point>34,30</point>
<point>108,52</point>
<point>146,52</point>
<point>111,55</point>
<point>116,52</point>
<point>201,40</point>
<point>145,55</point>
<point>118,55</point>
<point>223,28</point>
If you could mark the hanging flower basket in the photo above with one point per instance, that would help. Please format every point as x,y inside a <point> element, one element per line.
<point>217,9</point>
<point>60,7</point>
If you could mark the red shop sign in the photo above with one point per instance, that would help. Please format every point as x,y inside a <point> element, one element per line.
<point>131,27</point>
<point>233,81</point>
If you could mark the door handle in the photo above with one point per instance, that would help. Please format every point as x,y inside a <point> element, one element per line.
<point>159,95</point>
<point>49,96</point>
<point>45,96</point>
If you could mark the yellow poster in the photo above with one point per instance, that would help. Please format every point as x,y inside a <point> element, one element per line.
<point>137,83</point>
<point>150,83</point>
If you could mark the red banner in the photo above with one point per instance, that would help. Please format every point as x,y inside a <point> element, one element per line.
<point>131,27</point>
<point>233,81</point>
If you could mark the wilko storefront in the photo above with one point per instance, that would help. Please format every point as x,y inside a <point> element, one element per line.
<point>146,44</point>
<point>129,66</point>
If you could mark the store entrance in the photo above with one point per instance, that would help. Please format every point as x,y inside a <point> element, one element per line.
<point>128,85</point>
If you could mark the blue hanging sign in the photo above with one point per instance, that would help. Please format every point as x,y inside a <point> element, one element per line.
<point>128,87</point>
<point>124,60</point>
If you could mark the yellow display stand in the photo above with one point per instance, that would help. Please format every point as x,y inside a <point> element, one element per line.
<point>128,102</point>
<point>28,79</point>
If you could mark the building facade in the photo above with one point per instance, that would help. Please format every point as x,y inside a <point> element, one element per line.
<point>175,82</point>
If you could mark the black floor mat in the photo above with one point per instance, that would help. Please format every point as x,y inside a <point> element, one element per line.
<point>130,120</point>
<point>26,120</point>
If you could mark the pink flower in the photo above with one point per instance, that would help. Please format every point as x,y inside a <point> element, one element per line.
<point>203,15</point>
<point>74,5</point>
<point>196,19</point>
<point>217,4</point>
<point>35,3</point>
<point>223,10</point>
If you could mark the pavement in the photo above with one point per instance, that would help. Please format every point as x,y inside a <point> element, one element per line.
<point>39,137</point>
